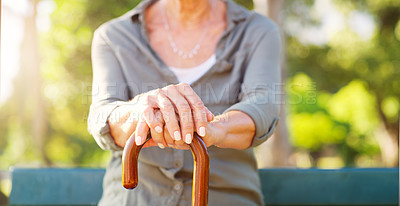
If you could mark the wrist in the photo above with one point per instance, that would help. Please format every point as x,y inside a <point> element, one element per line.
<point>218,131</point>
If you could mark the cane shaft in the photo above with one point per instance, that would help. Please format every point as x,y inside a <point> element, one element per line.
<point>200,169</point>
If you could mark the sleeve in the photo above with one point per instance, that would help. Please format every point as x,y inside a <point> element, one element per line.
<point>109,90</point>
<point>260,89</point>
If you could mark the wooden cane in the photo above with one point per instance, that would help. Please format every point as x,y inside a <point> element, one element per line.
<point>200,169</point>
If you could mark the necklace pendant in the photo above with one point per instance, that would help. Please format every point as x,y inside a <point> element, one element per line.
<point>190,54</point>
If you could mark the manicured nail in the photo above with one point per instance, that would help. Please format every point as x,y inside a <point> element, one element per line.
<point>177,135</point>
<point>170,145</point>
<point>158,129</point>
<point>161,146</point>
<point>202,131</point>
<point>138,140</point>
<point>188,139</point>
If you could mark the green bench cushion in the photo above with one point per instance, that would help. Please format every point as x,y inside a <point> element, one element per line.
<point>53,186</point>
<point>281,187</point>
<point>375,186</point>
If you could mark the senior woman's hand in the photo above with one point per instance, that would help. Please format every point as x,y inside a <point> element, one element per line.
<point>181,109</point>
<point>233,129</point>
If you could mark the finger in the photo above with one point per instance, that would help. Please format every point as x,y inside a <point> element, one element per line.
<point>172,143</point>
<point>210,115</point>
<point>178,142</point>
<point>184,111</point>
<point>150,143</point>
<point>158,138</point>
<point>156,133</point>
<point>152,121</point>
<point>198,109</point>
<point>155,127</point>
<point>168,113</point>
<point>159,117</point>
<point>141,131</point>
<point>167,137</point>
<point>200,119</point>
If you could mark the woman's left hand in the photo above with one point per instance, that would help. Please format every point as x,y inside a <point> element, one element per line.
<point>209,139</point>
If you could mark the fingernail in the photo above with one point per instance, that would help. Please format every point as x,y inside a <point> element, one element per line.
<point>170,145</point>
<point>161,146</point>
<point>177,135</point>
<point>202,131</point>
<point>158,129</point>
<point>188,139</point>
<point>138,140</point>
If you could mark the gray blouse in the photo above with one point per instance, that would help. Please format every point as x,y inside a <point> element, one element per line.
<point>245,77</point>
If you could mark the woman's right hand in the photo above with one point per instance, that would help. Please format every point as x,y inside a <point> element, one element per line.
<point>178,108</point>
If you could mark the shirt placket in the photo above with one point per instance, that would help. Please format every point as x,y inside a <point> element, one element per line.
<point>177,186</point>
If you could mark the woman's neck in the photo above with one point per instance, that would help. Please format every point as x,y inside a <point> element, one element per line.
<point>188,13</point>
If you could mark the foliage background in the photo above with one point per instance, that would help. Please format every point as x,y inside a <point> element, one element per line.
<point>341,94</point>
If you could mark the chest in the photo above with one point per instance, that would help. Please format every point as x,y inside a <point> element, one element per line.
<point>183,48</point>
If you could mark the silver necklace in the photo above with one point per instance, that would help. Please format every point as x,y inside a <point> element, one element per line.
<point>192,53</point>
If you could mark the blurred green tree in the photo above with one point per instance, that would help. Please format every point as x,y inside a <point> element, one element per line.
<point>24,114</point>
<point>356,77</point>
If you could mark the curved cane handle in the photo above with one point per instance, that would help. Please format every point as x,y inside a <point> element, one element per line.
<point>200,169</point>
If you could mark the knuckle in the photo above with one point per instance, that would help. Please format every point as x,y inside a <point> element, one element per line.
<point>187,128</point>
<point>160,96</point>
<point>154,93</point>
<point>150,93</point>
<point>167,118</point>
<point>167,107</point>
<point>171,121</point>
<point>160,120</point>
<point>185,110</point>
<point>199,106</point>
<point>186,88</point>
<point>186,120</point>
<point>147,117</point>
<point>147,109</point>
<point>200,120</point>
<point>183,85</point>
<point>171,91</point>
<point>146,99</point>
<point>153,124</point>
<point>201,116</point>
<point>159,117</point>
<point>170,87</point>
<point>182,119</point>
